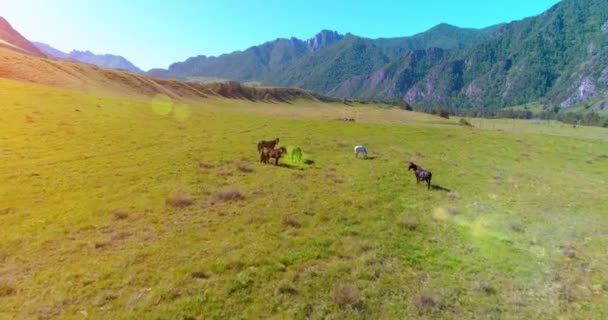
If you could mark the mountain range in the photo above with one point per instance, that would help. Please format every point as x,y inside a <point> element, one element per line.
<point>101,60</point>
<point>558,58</point>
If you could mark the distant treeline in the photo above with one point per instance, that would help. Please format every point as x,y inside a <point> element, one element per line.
<point>574,118</point>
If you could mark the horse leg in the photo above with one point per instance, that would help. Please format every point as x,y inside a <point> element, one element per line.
<point>428,184</point>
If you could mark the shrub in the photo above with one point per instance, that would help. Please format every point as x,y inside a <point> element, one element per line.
<point>427,301</point>
<point>120,214</point>
<point>405,106</point>
<point>409,223</point>
<point>6,290</point>
<point>486,288</point>
<point>568,251</point>
<point>199,275</point>
<point>347,295</point>
<point>180,199</point>
<point>292,222</point>
<point>229,195</point>
<point>465,122</point>
<point>441,113</point>
<point>517,227</point>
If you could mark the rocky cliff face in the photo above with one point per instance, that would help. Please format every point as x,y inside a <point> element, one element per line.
<point>323,39</point>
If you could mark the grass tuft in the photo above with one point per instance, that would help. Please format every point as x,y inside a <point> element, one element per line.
<point>568,251</point>
<point>6,290</point>
<point>180,199</point>
<point>427,301</point>
<point>228,195</point>
<point>120,214</point>
<point>517,227</point>
<point>200,275</point>
<point>409,222</point>
<point>486,288</point>
<point>245,167</point>
<point>291,221</point>
<point>287,289</point>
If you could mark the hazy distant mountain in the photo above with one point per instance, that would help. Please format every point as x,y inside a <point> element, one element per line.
<point>101,60</point>
<point>50,51</point>
<point>13,40</point>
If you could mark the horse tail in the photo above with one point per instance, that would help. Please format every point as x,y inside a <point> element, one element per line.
<point>260,146</point>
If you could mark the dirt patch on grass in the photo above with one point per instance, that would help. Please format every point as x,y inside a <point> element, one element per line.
<point>348,295</point>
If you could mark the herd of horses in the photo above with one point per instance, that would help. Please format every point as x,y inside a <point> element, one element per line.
<point>267,151</point>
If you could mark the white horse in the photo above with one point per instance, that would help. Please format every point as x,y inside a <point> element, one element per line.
<point>360,149</point>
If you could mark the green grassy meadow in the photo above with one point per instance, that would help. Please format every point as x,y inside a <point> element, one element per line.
<point>118,208</point>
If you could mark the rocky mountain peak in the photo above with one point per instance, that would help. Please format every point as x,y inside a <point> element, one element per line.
<point>323,39</point>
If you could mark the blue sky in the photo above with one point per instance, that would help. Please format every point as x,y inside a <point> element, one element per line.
<point>156,33</point>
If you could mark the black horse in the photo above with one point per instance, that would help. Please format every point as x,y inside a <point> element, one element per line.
<point>267,144</point>
<point>421,174</point>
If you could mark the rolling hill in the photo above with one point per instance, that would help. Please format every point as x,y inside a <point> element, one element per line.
<point>11,39</point>
<point>89,78</point>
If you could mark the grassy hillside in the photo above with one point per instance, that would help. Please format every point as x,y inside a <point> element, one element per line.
<point>116,208</point>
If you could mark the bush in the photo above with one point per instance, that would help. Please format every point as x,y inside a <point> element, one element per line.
<point>441,113</point>
<point>465,122</point>
<point>180,199</point>
<point>230,195</point>
<point>427,302</point>
<point>6,290</point>
<point>120,214</point>
<point>292,222</point>
<point>409,223</point>
<point>405,106</point>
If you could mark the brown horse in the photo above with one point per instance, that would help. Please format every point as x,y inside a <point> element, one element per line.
<point>267,144</point>
<point>421,174</point>
<point>276,154</point>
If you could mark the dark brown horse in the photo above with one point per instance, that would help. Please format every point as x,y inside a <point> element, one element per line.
<point>421,174</point>
<point>267,144</point>
<point>276,154</point>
